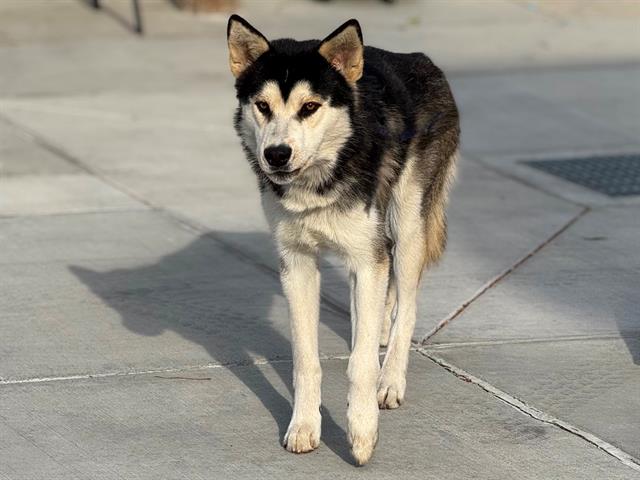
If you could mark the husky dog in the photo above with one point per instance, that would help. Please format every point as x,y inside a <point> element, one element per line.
<point>354,149</point>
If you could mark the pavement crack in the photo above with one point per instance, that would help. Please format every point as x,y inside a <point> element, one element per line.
<point>501,276</point>
<point>533,412</point>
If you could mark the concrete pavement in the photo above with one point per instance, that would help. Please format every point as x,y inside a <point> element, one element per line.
<point>143,330</point>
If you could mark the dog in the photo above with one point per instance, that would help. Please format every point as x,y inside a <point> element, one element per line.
<point>354,149</point>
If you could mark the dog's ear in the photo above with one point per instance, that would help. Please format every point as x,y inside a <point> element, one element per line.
<point>344,50</point>
<point>246,44</point>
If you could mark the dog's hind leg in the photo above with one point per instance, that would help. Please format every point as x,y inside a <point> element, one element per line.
<point>389,310</point>
<point>408,264</point>
<point>419,230</point>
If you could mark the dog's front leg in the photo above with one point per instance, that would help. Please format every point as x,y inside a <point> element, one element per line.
<point>301,284</point>
<point>370,284</point>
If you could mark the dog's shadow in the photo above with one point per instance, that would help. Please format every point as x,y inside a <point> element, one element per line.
<point>222,303</point>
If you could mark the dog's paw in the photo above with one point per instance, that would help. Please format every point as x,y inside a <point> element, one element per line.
<point>302,437</point>
<point>362,418</point>
<point>362,446</point>
<point>391,388</point>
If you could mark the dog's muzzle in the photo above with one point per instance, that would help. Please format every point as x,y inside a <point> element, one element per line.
<point>277,156</point>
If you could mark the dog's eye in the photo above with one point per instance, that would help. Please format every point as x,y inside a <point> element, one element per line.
<point>309,108</point>
<point>263,107</point>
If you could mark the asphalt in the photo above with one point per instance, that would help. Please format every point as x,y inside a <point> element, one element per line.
<point>143,332</point>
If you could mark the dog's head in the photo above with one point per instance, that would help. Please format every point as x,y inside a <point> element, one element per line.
<point>295,99</point>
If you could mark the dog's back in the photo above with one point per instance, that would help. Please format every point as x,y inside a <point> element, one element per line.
<point>409,105</point>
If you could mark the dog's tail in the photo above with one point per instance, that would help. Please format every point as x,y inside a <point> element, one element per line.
<point>434,205</point>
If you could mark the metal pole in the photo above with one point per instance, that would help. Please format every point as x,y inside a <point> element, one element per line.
<point>137,15</point>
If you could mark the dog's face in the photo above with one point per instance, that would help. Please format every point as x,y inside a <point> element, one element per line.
<point>300,133</point>
<point>295,99</point>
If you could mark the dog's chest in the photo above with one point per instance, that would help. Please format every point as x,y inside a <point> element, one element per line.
<point>351,232</point>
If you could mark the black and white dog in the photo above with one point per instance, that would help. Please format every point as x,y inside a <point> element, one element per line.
<point>354,149</point>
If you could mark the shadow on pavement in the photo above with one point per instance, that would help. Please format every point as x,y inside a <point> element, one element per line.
<point>633,344</point>
<point>196,293</point>
<point>629,327</point>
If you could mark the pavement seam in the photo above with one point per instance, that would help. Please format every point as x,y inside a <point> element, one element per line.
<point>524,341</point>
<point>12,216</point>
<point>501,276</point>
<point>533,412</point>
<point>131,373</point>
<point>186,368</point>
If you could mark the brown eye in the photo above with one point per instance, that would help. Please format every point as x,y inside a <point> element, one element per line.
<point>263,107</point>
<point>309,108</point>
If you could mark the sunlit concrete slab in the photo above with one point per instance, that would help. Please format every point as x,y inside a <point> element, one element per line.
<point>59,194</point>
<point>583,283</point>
<point>520,114</point>
<point>37,181</point>
<point>592,384</point>
<point>180,47</point>
<point>605,97</point>
<point>228,423</point>
<point>568,113</point>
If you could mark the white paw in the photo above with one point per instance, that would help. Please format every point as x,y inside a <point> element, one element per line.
<point>302,437</point>
<point>362,447</point>
<point>391,388</point>
<point>363,431</point>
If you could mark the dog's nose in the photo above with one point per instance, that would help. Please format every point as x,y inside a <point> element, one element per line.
<point>277,155</point>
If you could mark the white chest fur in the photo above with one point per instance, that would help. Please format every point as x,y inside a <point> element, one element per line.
<point>351,233</point>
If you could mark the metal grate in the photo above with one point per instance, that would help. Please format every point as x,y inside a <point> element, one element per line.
<point>613,175</point>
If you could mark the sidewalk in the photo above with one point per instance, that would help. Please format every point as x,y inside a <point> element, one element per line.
<point>143,330</point>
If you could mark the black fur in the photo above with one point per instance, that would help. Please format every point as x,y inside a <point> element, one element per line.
<point>402,104</point>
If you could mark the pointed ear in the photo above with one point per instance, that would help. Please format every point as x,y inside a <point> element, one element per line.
<point>246,44</point>
<point>343,49</point>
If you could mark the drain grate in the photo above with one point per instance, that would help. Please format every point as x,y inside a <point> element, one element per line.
<point>613,175</point>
